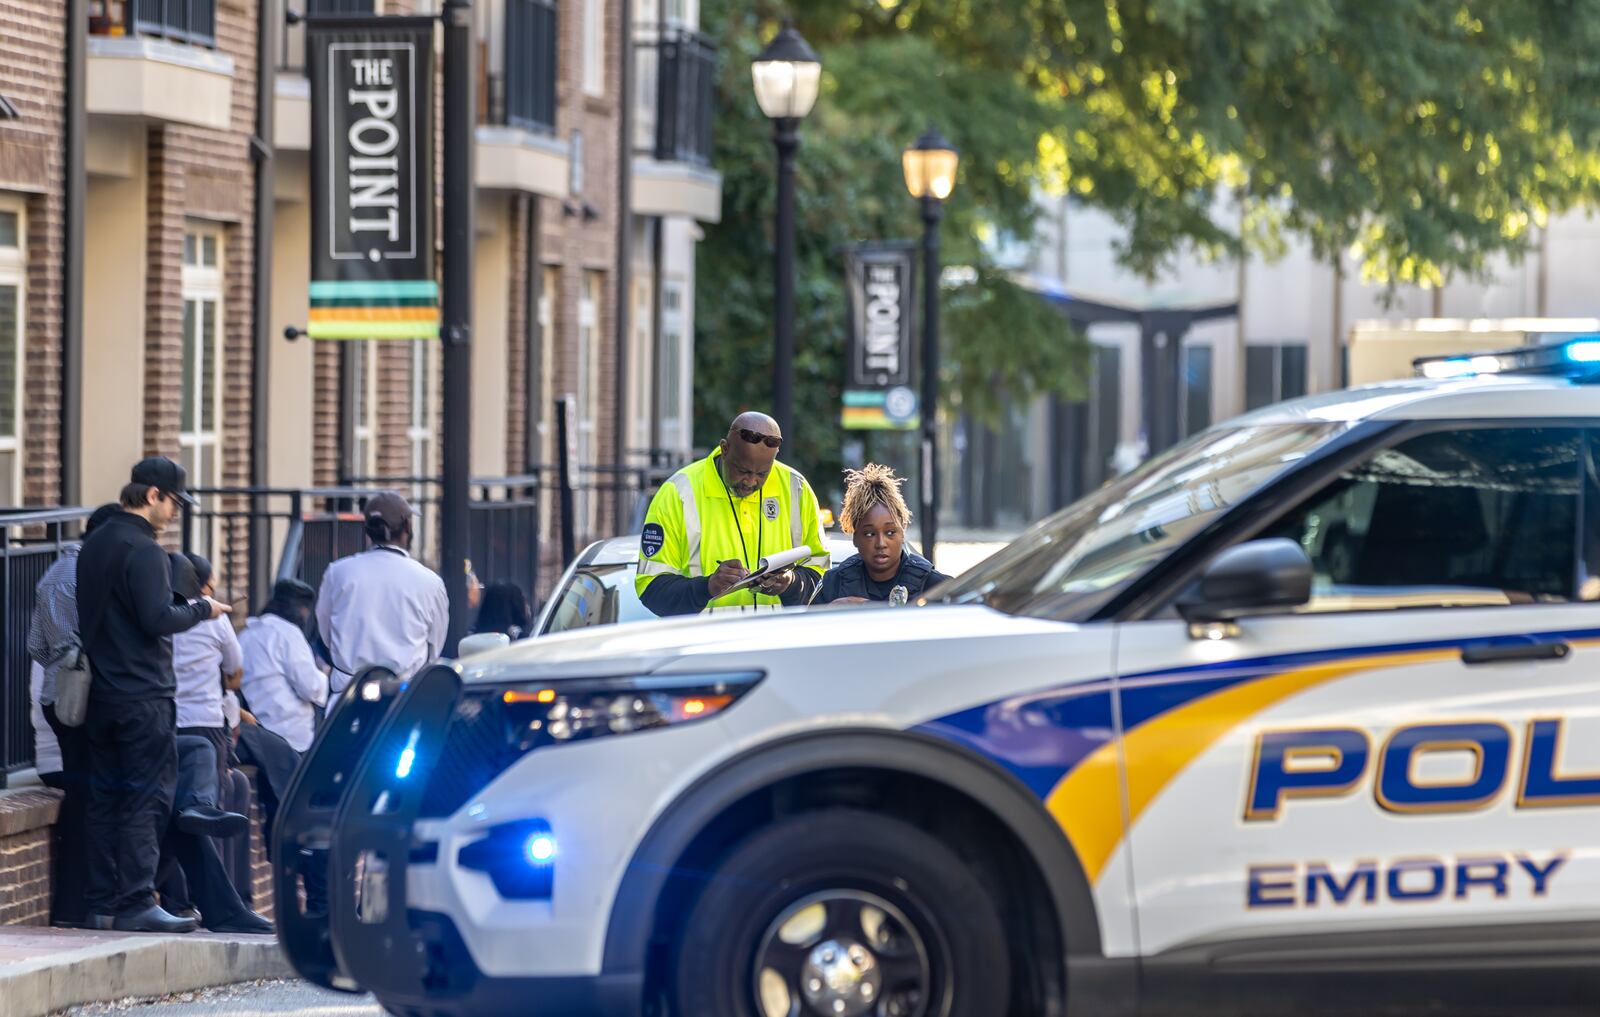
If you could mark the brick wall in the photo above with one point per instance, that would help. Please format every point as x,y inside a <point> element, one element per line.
<point>32,161</point>
<point>260,898</point>
<point>26,819</point>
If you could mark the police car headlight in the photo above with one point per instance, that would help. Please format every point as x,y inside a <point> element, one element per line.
<point>577,710</point>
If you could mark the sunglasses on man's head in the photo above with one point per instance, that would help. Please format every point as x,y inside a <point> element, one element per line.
<point>757,438</point>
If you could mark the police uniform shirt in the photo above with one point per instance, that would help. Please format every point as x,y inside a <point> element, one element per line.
<point>381,607</point>
<point>695,522</point>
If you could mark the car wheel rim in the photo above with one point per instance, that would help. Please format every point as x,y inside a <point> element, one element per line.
<point>842,953</point>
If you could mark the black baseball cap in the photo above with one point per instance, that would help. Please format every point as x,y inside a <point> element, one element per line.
<point>165,476</point>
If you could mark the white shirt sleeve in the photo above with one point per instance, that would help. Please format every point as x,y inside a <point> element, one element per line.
<point>325,598</point>
<point>441,620</point>
<point>300,667</point>
<point>232,655</point>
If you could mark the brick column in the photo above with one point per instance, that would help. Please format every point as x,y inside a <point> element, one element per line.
<point>517,340</point>
<point>163,352</point>
<point>26,821</point>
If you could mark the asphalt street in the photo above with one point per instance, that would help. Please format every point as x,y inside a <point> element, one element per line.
<point>254,999</point>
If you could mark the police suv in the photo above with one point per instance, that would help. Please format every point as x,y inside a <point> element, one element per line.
<point>1302,716</point>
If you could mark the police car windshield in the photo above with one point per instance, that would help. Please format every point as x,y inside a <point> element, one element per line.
<point>1079,558</point>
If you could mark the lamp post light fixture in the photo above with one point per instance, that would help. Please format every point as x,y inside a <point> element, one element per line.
<point>786,75</point>
<point>930,169</point>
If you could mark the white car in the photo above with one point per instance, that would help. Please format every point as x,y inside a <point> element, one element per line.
<point>597,588</point>
<point>1301,717</point>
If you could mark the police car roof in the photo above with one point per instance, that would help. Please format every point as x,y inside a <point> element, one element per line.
<point>1508,396</point>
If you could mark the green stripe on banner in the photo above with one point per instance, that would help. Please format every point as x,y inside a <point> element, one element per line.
<point>373,330</point>
<point>374,302</point>
<point>374,289</point>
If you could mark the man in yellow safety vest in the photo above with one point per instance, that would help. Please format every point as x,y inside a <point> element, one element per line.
<point>710,525</point>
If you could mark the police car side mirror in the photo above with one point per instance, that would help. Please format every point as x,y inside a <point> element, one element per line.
<point>1258,577</point>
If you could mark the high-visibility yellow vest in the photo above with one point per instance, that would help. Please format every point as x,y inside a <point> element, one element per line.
<point>702,524</point>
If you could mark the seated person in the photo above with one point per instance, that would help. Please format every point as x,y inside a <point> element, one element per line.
<point>876,516</point>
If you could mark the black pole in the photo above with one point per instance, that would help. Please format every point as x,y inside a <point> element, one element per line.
<point>932,212</point>
<point>786,136</point>
<point>569,541</point>
<point>268,25</point>
<point>624,273</point>
<point>77,118</point>
<point>460,114</point>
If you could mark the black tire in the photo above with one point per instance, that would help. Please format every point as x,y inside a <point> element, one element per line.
<point>798,858</point>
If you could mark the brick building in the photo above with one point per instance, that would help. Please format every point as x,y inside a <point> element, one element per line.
<point>169,263</point>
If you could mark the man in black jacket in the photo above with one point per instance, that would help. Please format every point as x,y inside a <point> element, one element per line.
<point>127,618</point>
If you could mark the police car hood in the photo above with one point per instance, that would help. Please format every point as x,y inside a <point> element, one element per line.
<point>739,641</point>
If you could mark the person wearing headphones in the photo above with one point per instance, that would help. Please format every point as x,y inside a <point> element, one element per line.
<point>382,606</point>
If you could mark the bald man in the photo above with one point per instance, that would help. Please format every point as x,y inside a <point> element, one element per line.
<point>711,524</point>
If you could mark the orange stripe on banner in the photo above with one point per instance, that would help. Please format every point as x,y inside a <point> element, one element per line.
<point>374,314</point>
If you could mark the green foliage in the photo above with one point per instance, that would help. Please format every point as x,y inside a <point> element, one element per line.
<point>1425,136</point>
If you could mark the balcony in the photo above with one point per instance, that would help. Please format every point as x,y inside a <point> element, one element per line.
<point>517,146</point>
<point>675,75</point>
<point>153,60</point>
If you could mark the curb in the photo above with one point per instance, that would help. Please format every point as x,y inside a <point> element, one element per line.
<point>150,966</point>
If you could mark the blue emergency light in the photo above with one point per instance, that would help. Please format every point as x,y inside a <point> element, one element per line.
<point>1577,358</point>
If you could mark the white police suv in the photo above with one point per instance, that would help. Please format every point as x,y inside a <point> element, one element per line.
<point>1303,716</point>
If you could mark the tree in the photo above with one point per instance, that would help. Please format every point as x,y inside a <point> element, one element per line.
<point>1426,137</point>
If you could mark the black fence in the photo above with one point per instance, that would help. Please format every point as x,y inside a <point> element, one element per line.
<point>191,21</point>
<point>30,542</point>
<point>676,74</point>
<point>524,95</point>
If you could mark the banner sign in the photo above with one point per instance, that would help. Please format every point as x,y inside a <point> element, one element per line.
<point>372,257</point>
<point>878,394</point>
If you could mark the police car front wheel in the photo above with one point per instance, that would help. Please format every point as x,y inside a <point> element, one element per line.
<point>843,914</point>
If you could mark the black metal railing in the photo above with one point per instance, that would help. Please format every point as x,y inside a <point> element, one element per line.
<point>523,94</point>
<point>191,21</point>
<point>30,542</point>
<point>676,78</point>
<point>292,45</point>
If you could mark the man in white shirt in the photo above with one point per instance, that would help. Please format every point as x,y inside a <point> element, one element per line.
<point>282,683</point>
<point>382,606</point>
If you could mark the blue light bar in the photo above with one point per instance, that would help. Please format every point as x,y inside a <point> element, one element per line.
<point>408,755</point>
<point>1578,358</point>
<point>540,849</point>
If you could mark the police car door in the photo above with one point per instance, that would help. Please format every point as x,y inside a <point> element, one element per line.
<point>1405,770</point>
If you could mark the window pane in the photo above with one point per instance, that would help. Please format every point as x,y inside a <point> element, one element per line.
<point>208,251</point>
<point>10,347</point>
<point>9,495</point>
<point>191,354</point>
<point>1196,389</point>
<point>210,361</point>
<point>10,229</point>
<point>1293,378</point>
<point>1260,376</point>
<point>189,242</point>
<point>1107,411</point>
<point>1460,518</point>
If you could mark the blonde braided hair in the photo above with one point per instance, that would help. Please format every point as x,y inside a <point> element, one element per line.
<point>866,489</point>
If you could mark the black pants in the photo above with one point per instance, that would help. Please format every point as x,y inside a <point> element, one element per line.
<point>197,785</point>
<point>69,857</point>
<point>236,850</point>
<point>133,770</point>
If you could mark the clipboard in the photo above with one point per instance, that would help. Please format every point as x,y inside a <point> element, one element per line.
<point>783,561</point>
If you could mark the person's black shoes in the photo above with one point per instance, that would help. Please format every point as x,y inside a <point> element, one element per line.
<point>101,923</point>
<point>247,922</point>
<point>210,821</point>
<point>153,919</point>
<point>190,912</point>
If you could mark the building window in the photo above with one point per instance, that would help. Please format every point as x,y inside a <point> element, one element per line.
<point>419,431</point>
<point>12,278</point>
<point>361,402</point>
<point>1105,416</point>
<point>641,370</point>
<point>543,451</point>
<point>674,429</point>
<point>594,47</point>
<point>200,423</point>
<point>1273,373</point>
<point>1196,389</point>
<point>589,300</point>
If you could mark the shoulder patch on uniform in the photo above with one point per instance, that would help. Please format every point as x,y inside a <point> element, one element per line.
<point>769,508</point>
<point>652,539</point>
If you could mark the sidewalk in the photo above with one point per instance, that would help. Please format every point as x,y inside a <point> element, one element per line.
<point>44,970</point>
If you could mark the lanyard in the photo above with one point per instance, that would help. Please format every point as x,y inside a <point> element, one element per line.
<point>755,600</point>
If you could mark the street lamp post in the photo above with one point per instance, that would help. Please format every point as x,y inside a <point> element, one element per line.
<point>930,169</point>
<point>785,75</point>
